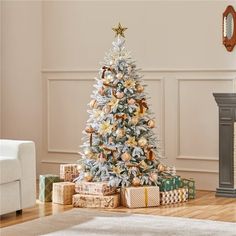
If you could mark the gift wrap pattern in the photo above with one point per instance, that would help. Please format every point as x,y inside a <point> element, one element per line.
<point>62,192</point>
<point>94,188</point>
<point>68,172</point>
<point>174,196</point>
<point>45,186</point>
<point>134,197</point>
<point>190,184</point>
<point>168,183</point>
<point>96,201</point>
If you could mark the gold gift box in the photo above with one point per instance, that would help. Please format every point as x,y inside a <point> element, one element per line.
<point>62,192</point>
<point>135,197</point>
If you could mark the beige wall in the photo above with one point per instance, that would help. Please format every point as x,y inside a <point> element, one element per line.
<point>21,71</point>
<point>176,43</point>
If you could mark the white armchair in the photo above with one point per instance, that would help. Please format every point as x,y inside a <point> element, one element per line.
<point>17,175</point>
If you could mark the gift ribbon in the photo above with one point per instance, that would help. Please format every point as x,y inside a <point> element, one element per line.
<point>146,197</point>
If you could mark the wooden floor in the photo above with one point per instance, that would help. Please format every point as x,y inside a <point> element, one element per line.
<point>205,206</point>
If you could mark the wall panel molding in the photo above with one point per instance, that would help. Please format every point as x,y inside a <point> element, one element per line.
<point>81,76</point>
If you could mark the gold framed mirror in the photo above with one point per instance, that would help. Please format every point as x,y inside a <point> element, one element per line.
<point>229,28</point>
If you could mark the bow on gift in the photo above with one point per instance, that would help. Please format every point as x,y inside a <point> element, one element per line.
<point>142,103</point>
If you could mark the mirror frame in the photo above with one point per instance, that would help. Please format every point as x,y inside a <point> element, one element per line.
<point>229,43</point>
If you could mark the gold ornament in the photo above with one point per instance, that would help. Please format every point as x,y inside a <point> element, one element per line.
<point>151,123</point>
<point>119,95</point>
<point>106,109</point>
<point>134,120</point>
<point>161,167</point>
<point>136,182</point>
<point>119,30</point>
<point>119,76</point>
<point>126,156</point>
<point>120,133</point>
<point>139,88</point>
<point>131,141</point>
<point>93,104</point>
<point>142,142</point>
<point>153,177</point>
<point>87,176</point>
<point>131,101</point>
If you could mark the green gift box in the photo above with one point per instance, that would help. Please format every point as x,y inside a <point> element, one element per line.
<point>166,183</point>
<point>177,181</point>
<point>45,186</point>
<point>190,184</point>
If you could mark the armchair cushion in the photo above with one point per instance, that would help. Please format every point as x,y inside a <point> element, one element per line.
<point>10,169</point>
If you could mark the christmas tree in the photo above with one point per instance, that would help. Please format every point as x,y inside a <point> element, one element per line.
<point>119,143</point>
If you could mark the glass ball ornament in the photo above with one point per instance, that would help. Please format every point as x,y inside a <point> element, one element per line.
<point>134,120</point>
<point>151,123</point>
<point>126,157</point>
<point>88,176</point>
<point>142,142</point>
<point>139,88</point>
<point>136,182</point>
<point>119,76</point>
<point>120,133</point>
<point>131,101</point>
<point>106,109</point>
<point>120,95</point>
<point>153,177</point>
<point>161,167</point>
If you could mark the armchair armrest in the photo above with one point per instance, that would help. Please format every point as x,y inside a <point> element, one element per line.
<point>25,152</point>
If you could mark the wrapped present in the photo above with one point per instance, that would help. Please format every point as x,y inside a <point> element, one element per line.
<point>174,196</point>
<point>190,184</point>
<point>145,196</point>
<point>45,186</point>
<point>94,188</point>
<point>68,172</point>
<point>168,182</point>
<point>96,201</point>
<point>62,192</point>
<point>177,181</point>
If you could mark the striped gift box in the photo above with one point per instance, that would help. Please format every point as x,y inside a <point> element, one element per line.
<point>45,186</point>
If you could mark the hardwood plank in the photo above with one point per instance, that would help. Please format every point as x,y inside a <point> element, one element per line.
<point>205,206</point>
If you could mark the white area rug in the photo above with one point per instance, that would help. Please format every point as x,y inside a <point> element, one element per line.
<point>95,223</point>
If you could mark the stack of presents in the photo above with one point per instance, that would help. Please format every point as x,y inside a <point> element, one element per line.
<point>62,190</point>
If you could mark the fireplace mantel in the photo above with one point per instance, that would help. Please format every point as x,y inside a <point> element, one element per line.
<point>227,144</point>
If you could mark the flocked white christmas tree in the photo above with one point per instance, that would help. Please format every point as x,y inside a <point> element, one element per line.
<point>119,144</point>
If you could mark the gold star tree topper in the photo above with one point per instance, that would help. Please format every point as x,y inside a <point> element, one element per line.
<point>119,30</point>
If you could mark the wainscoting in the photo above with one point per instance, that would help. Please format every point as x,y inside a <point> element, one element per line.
<point>185,111</point>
